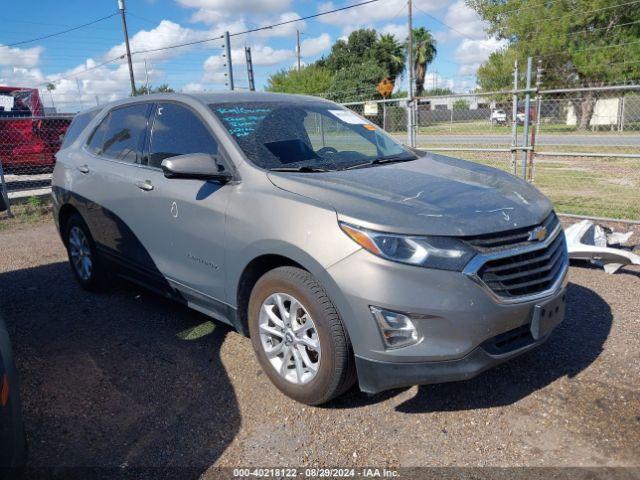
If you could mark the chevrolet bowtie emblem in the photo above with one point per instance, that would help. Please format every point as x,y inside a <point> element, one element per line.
<point>538,234</point>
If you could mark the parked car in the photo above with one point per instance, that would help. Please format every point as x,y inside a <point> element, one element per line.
<point>498,117</point>
<point>28,139</point>
<point>342,253</point>
<point>12,439</point>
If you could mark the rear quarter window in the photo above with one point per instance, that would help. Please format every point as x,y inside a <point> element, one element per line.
<point>77,126</point>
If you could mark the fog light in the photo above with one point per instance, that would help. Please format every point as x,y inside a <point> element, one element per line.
<point>396,328</point>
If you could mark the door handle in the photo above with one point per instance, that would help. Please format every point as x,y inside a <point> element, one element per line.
<point>83,169</point>
<point>147,186</point>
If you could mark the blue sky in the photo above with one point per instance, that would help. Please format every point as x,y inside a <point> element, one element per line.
<point>158,23</point>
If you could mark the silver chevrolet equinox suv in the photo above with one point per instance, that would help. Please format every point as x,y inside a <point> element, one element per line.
<point>343,254</point>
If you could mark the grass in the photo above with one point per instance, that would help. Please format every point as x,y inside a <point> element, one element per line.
<point>484,127</point>
<point>32,212</point>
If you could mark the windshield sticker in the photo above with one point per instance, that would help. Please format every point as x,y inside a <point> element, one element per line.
<point>348,117</point>
<point>241,121</point>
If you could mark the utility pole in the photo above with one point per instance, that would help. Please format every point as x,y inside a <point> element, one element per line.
<point>79,92</point>
<point>126,42</point>
<point>227,47</point>
<point>410,113</point>
<point>527,113</point>
<point>247,54</point>
<point>514,120</point>
<point>146,77</point>
<point>536,127</point>
<point>298,47</point>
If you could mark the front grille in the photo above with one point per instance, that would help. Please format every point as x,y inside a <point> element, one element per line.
<point>510,238</point>
<point>527,273</point>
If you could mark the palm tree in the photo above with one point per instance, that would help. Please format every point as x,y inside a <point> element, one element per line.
<point>424,51</point>
<point>390,53</point>
<point>51,87</point>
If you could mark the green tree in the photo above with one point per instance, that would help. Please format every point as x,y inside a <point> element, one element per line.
<point>390,54</point>
<point>310,80</point>
<point>424,51</point>
<point>357,83</point>
<point>358,47</point>
<point>439,91</point>
<point>461,104</point>
<point>580,43</point>
<point>350,72</point>
<point>164,88</point>
<point>50,88</point>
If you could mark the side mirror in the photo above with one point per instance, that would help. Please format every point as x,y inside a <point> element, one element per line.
<point>201,166</point>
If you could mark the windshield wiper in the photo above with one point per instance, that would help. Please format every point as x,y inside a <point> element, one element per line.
<point>382,160</point>
<point>304,169</point>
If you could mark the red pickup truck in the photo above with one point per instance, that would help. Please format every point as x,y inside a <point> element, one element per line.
<point>29,140</point>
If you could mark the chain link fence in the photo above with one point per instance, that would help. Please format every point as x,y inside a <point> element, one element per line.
<point>581,147</point>
<point>27,152</point>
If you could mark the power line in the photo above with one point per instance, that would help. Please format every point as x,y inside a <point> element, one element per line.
<point>62,31</point>
<point>73,75</point>
<point>441,22</point>
<point>257,29</point>
<point>168,47</point>
<point>140,17</point>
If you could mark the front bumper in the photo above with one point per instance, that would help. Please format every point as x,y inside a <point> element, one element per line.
<point>459,323</point>
<point>375,376</point>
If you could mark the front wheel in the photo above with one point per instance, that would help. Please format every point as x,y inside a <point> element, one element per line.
<point>83,258</point>
<point>299,338</point>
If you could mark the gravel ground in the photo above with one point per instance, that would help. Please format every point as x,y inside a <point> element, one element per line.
<point>124,379</point>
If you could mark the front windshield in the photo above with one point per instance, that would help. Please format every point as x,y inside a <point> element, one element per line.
<point>306,136</point>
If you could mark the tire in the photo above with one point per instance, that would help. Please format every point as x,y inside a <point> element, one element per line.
<point>96,278</point>
<point>335,370</point>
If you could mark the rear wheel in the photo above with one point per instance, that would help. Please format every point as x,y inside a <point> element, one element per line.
<point>299,338</point>
<point>86,266</point>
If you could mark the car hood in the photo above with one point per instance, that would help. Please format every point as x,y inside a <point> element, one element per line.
<point>434,195</point>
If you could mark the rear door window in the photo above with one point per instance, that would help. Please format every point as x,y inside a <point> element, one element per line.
<point>177,130</point>
<point>120,135</point>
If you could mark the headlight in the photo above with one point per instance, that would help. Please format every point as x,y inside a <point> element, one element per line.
<point>444,253</point>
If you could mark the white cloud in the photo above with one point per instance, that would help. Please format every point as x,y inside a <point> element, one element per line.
<point>168,33</point>
<point>397,30</point>
<point>215,68</point>
<point>165,34</point>
<point>315,45</point>
<point>207,16</point>
<point>288,30</point>
<point>265,56</point>
<point>367,14</point>
<point>237,5</point>
<point>193,87</point>
<point>470,54</point>
<point>465,20</point>
<point>20,57</point>
<point>17,76</point>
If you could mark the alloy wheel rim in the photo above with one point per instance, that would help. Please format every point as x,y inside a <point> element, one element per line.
<point>80,253</point>
<point>289,338</point>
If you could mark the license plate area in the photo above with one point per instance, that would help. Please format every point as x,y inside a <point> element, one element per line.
<point>547,316</point>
